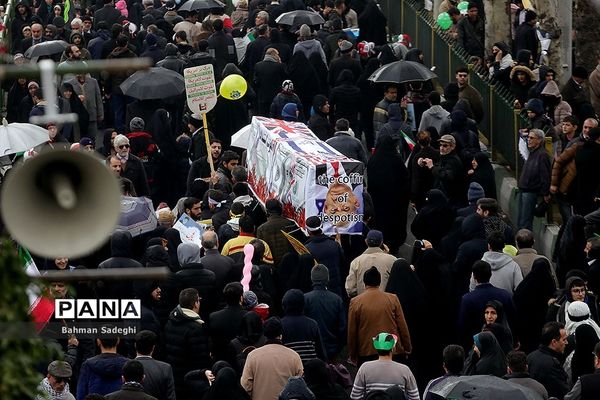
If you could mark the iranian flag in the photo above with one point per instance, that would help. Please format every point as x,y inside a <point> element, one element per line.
<point>408,140</point>
<point>41,307</point>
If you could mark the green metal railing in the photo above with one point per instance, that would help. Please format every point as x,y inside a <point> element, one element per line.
<point>501,123</point>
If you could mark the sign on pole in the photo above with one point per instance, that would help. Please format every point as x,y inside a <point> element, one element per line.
<point>200,88</point>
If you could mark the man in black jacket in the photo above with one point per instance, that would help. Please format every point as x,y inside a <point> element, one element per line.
<point>158,375</point>
<point>269,74</point>
<point>226,324</point>
<point>448,173</point>
<point>535,178</point>
<point>187,339</point>
<point>545,365</point>
<point>526,35</point>
<point>132,167</point>
<point>108,14</point>
<point>471,32</point>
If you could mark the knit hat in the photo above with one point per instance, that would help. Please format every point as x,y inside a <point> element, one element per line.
<point>33,83</point>
<point>345,46</point>
<point>374,238</point>
<point>475,192</point>
<point>150,39</point>
<point>120,140</point>
<point>86,141</point>
<point>319,274</point>
<point>313,223</point>
<point>304,31</point>
<point>535,105</point>
<point>372,277</point>
<point>249,299</point>
<point>137,124</point>
<point>272,328</point>
<point>289,111</point>
<point>578,311</point>
<point>287,86</point>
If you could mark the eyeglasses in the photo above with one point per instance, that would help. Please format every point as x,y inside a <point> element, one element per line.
<point>580,290</point>
<point>124,146</point>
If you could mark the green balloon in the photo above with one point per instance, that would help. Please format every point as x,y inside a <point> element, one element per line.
<point>463,6</point>
<point>444,20</point>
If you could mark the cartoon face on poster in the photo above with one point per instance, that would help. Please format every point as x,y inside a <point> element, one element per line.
<point>338,197</point>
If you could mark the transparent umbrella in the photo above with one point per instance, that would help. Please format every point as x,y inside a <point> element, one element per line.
<point>18,137</point>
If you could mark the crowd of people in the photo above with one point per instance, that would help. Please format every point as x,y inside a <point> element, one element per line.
<point>308,320</point>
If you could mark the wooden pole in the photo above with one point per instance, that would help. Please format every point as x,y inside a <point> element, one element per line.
<point>207,140</point>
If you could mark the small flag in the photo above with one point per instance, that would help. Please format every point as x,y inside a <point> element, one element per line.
<point>408,140</point>
<point>41,307</point>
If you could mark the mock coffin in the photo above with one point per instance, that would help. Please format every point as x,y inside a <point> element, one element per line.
<point>285,160</point>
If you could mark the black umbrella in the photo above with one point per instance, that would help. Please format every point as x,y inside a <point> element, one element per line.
<point>154,83</point>
<point>193,5</point>
<point>402,71</point>
<point>46,49</point>
<point>486,387</point>
<point>299,17</point>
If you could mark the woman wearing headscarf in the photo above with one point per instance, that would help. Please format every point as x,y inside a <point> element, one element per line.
<point>251,337</point>
<point>487,357</point>
<point>421,176</point>
<point>197,381</point>
<point>230,116</point>
<point>319,120</point>
<point>370,94</point>
<point>165,171</point>
<point>16,94</point>
<point>571,248</point>
<point>581,360</point>
<point>389,187</point>
<point>72,104</point>
<point>531,303</point>
<point>406,285</point>
<point>226,386</point>
<point>435,219</point>
<point>372,25</point>
<point>173,238</point>
<point>321,70</point>
<point>305,78</point>
<point>150,295</point>
<point>318,379</point>
<point>483,173</point>
<point>495,321</point>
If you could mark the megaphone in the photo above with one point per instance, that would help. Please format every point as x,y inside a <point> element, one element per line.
<point>61,203</point>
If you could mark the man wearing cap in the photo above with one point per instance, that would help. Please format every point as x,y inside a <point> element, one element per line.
<point>344,61</point>
<point>384,372</point>
<point>448,173</point>
<point>375,255</point>
<point>132,167</point>
<point>372,312</point>
<point>270,231</point>
<point>328,310</point>
<point>56,383</point>
<point>269,367</point>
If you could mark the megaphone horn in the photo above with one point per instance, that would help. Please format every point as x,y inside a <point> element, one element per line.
<point>61,203</point>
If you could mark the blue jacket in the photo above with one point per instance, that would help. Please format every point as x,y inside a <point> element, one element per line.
<point>328,310</point>
<point>100,374</point>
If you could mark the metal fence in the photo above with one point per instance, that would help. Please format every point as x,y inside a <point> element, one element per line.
<point>501,123</point>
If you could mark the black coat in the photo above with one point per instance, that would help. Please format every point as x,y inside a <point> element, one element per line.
<point>225,325</point>
<point>526,39</point>
<point>434,220</point>
<point>345,99</point>
<point>448,177</point>
<point>587,182</point>
<point>372,24</point>
<point>187,346</point>
<point>470,250</point>
<point>224,51</point>
<point>305,79</point>
<point>108,14</point>
<point>339,64</point>
<point>545,366</point>
<point>328,252</point>
<point>268,77</point>
<point>194,275</point>
<point>389,185</point>
<point>421,177</point>
<point>134,171</point>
